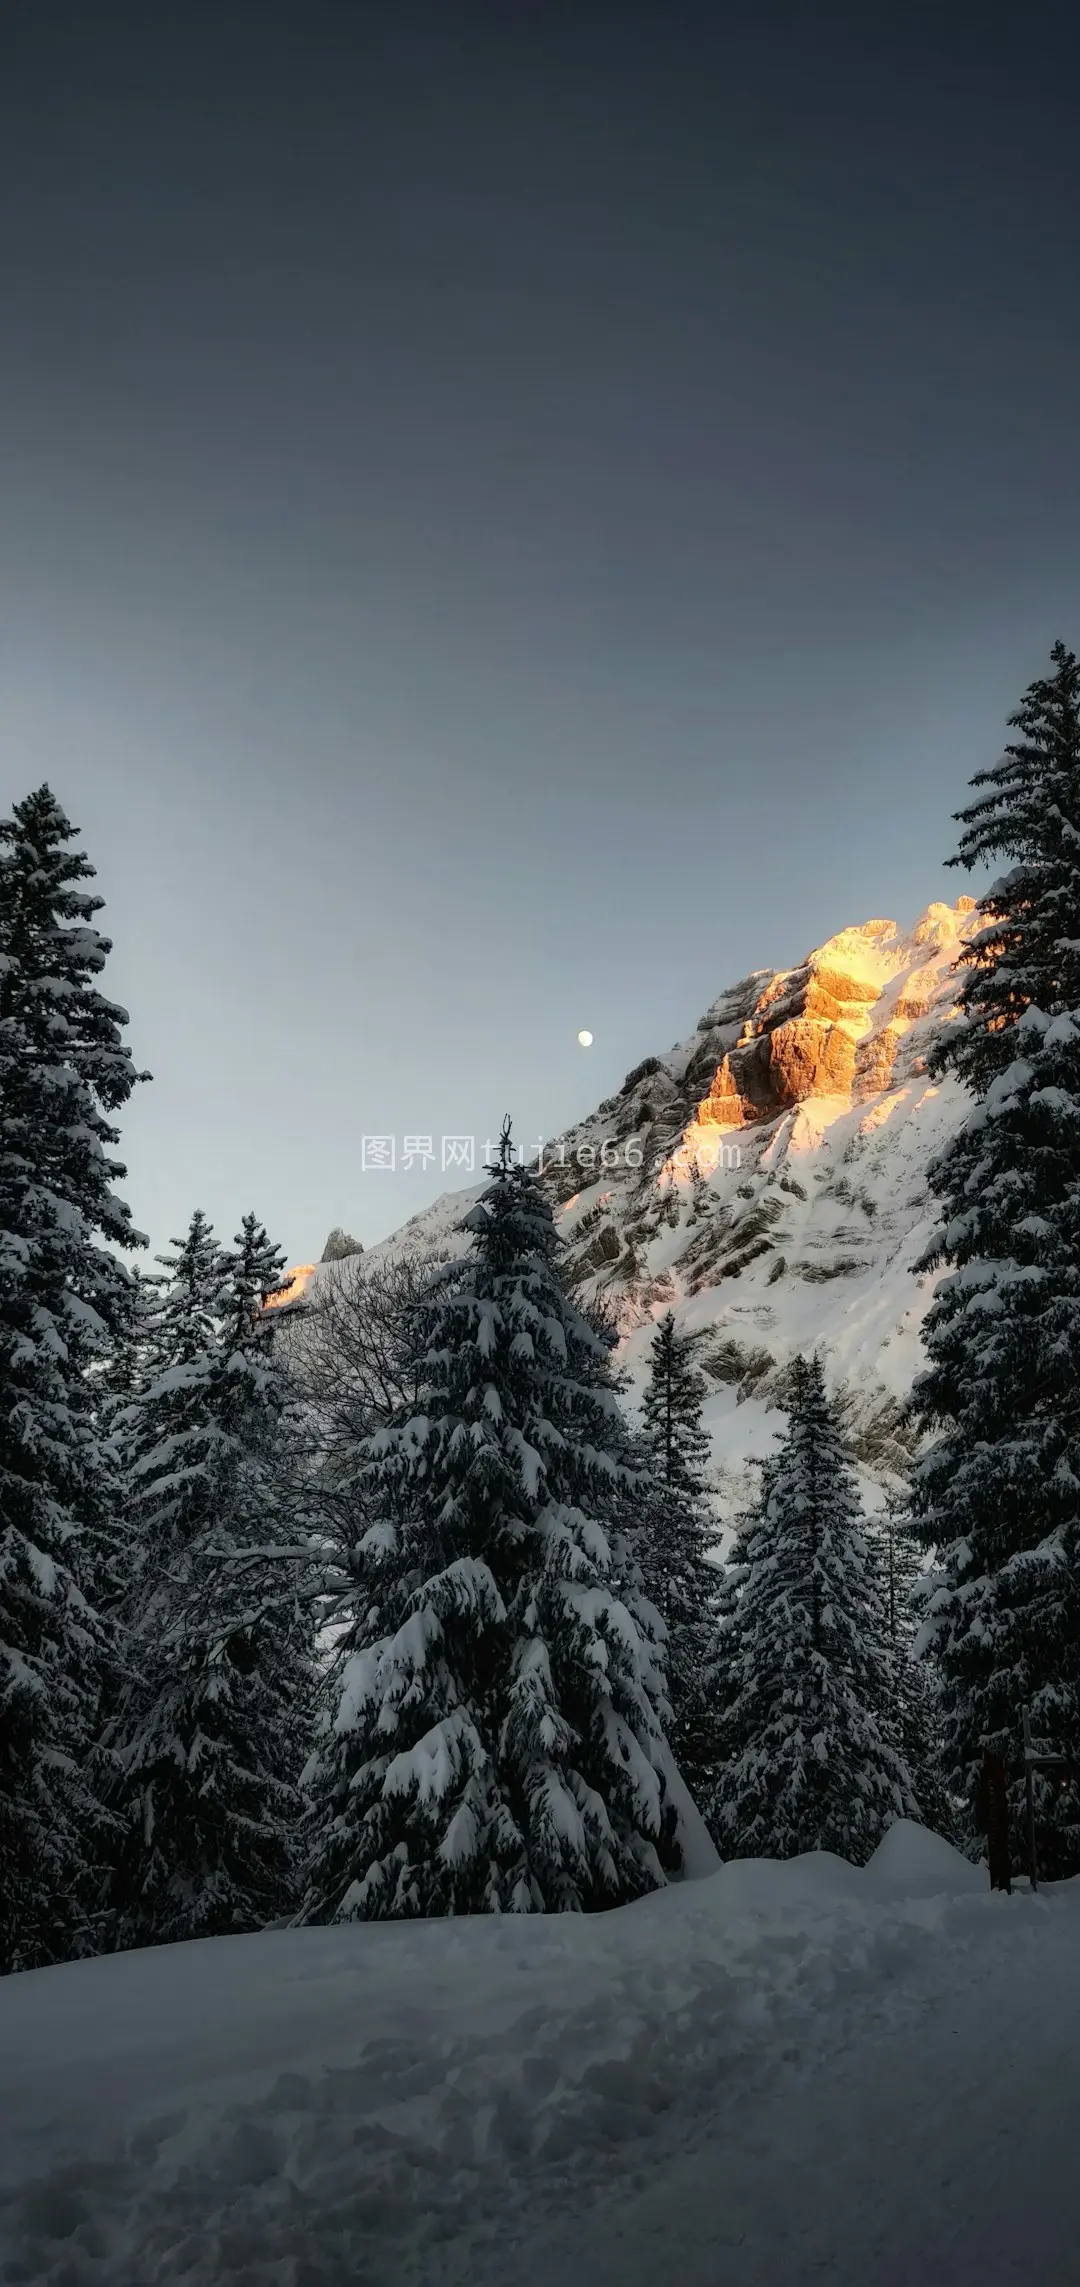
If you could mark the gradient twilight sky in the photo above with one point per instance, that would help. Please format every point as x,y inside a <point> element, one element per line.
<point>514,515</point>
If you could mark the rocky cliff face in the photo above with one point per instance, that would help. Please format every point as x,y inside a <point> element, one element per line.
<point>853,1020</point>
<point>766,1179</point>
<point>339,1246</point>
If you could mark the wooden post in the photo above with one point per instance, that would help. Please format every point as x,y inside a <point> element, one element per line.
<point>997,1820</point>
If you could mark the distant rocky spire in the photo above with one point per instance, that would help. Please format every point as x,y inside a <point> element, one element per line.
<point>338,1245</point>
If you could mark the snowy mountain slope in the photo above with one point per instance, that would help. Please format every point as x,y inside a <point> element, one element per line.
<point>766,1180</point>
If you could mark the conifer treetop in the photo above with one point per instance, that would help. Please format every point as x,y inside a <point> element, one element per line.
<point>1027,954</point>
<point>48,934</point>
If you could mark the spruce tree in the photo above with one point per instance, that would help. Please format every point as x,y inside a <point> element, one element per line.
<point>996,1494</point>
<point>116,1379</point>
<point>496,1746</point>
<point>674,1534</point>
<point>916,1694</point>
<point>64,1296</point>
<point>901,1569</point>
<point>671,1410</point>
<point>269,1609</point>
<point>207,1736</point>
<point>810,1734</point>
<point>669,1536</point>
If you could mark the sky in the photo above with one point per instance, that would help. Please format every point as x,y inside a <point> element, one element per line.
<point>515,515</point>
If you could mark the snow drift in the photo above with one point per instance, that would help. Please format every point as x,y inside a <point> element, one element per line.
<point>403,2102</point>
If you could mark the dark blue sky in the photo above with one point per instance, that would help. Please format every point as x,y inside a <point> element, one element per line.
<point>514,515</point>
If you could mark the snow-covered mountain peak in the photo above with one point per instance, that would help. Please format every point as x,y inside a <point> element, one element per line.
<point>766,1180</point>
<point>838,1024</point>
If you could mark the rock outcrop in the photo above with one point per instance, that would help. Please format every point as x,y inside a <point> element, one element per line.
<point>340,1246</point>
<point>831,1027</point>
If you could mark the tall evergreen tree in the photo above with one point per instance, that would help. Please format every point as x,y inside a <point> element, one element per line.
<point>916,1700</point>
<point>673,1537</point>
<point>64,1295</point>
<point>668,1534</point>
<point>116,1377</point>
<point>672,1408</point>
<point>997,1494</point>
<point>497,1745</point>
<point>269,1612</point>
<point>813,1756</point>
<point>208,1732</point>
<point>901,1569</point>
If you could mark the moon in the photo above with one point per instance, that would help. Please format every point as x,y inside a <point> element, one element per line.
<point>584,1040</point>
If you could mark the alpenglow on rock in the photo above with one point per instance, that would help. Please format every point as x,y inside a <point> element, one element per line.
<point>766,1181</point>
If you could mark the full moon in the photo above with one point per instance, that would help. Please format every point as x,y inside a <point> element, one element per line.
<point>584,1040</point>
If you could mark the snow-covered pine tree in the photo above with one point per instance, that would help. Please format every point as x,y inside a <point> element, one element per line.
<point>997,1495</point>
<point>916,1681</point>
<point>671,1410</point>
<point>1024,954</point>
<point>669,1533</point>
<point>113,1555</point>
<point>208,1734</point>
<point>64,1069</point>
<point>674,1534</point>
<point>901,1568</point>
<point>115,1378</point>
<point>168,1445</point>
<point>496,1746</point>
<point>269,1607</point>
<point>813,1757</point>
<point>123,1370</point>
<point>163,1430</point>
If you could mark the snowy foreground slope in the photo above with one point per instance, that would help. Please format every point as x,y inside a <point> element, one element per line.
<point>783,2073</point>
<point>766,1180</point>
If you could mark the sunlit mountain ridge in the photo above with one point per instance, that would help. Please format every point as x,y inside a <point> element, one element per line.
<point>766,1179</point>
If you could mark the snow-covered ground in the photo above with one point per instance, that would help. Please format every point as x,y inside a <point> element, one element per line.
<point>777,2073</point>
